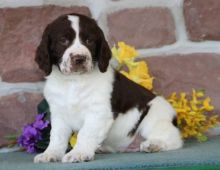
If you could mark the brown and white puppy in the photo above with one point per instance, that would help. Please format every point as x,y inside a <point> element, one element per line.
<point>87,96</point>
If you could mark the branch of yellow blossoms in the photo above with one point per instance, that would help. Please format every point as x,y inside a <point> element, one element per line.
<point>137,70</point>
<point>193,114</point>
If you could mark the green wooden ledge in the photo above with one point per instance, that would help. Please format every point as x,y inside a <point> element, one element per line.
<point>194,156</point>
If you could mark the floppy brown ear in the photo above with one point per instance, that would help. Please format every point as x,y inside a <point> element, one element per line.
<point>42,54</point>
<point>104,54</point>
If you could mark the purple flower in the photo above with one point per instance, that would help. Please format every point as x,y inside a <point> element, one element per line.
<point>40,123</point>
<point>32,133</point>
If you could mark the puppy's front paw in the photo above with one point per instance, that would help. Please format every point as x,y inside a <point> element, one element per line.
<point>47,157</point>
<point>77,156</point>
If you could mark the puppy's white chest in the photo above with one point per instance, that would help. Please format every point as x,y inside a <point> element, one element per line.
<point>74,99</point>
<point>71,95</point>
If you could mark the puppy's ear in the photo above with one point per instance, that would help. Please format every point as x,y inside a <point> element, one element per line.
<point>42,54</point>
<point>104,54</point>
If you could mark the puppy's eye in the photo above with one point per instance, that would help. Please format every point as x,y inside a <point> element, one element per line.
<point>64,41</point>
<point>89,41</point>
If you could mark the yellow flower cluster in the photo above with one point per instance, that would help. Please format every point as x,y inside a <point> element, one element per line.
<point>192,114</point>
<point>124,53</point>
<point>73,139</point>
<point>137,71</point>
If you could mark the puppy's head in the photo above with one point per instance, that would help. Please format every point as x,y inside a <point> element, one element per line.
<point>75,44</point>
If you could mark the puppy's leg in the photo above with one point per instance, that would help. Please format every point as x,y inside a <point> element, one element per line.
<point>89,138</point>
<point>157,128</point>
<point>163,137</point>
<point>59,137</point>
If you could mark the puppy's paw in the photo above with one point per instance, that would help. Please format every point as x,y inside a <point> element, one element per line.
<point>47,157</point>
<point>77,156</point>
<point>103,149</point>
<point>153,146</point>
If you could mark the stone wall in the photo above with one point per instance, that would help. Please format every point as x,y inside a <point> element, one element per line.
<point>180,39</point>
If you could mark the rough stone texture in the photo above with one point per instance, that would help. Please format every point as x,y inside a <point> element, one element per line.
<point>16,111</point>
<point>143,28</point>
<point>20,33</point>
<point>202,19</point>
<point>182,73</point>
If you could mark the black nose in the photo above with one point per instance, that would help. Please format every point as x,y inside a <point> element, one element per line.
<point>78,59</point>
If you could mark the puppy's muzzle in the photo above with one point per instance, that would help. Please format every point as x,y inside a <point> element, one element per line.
<point>78,60</point>
<point>80,63</point>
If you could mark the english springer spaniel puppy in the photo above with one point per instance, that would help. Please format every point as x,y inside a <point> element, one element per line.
<point>88,96</point>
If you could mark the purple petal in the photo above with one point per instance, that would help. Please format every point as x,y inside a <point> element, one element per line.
<point>32,133</point>
<point>29,131</point>
<point>31,149</point>
<point>40,124</point>
<point>29,138</point>
<point>40,116</point>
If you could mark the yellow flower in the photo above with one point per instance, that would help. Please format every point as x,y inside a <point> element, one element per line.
<point>139,74</point>
<point>124,52</point>
<point>195,95</point>
<point>199,93</point>
<point>73,140</point>
<point>137,71</point>
<point>192,112</point>
<point>214,120</point>
<point>206,104</point>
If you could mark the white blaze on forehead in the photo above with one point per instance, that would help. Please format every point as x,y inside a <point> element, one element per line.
<point>76,48</point>
<point>75,25</point>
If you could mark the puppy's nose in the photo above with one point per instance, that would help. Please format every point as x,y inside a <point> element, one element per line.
<point>78,59</point>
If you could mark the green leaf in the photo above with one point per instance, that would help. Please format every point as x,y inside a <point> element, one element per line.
<point>11,137</point>
<point>43,107</point>
<point>42,144</point>
<point>202,138</point>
